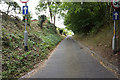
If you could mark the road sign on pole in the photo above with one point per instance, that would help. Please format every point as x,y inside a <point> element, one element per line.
<point>25,32</point>
<point>115,15</point>
<point>114,40</point>
<point>25,10</point>
<point>24,1</point>
<point>115,4</point>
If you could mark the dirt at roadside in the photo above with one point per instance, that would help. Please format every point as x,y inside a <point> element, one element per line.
<point>104,51</point>
<point>101,43</point>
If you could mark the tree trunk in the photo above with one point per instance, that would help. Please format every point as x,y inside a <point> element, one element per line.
<point>54,20</point>
<point>8,9</point>
<point>49,3</point>
<point>41,25</point>
<point>50,13</point>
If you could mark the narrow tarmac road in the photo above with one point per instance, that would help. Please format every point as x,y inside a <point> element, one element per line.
<point>69,60</point>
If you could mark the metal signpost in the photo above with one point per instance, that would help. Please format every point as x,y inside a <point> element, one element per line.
<point>25,12</point>
<point>116,5</point>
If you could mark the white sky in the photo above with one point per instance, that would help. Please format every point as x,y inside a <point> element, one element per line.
<point>31,6</point>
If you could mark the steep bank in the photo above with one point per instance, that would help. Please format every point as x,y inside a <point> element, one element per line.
<point>15,61</point>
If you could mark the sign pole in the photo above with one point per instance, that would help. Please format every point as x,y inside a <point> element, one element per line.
<point>25,12</point>
<point>116,5</point>
<point>25,33</point>
<point>114,38</point>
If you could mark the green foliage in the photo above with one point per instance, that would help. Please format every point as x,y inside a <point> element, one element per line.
<point>16,61</point>
<point>81,19</point>
<point>41,19</point>
<point>43,56</point>
<point>42,6</point>
<point>52,6</point>
<point>86,18</point>
<point>29,16</point>
<point>14,7</point>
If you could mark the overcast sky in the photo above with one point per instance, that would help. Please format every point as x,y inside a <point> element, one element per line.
<point>32,4</point>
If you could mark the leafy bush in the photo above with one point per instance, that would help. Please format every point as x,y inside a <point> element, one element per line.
<point>16,61</point>
<point>41,18</point>
<point>87,18</point>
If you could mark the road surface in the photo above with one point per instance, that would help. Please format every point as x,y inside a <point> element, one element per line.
<point>70,60</point>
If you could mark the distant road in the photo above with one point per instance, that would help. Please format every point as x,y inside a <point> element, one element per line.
<point>69,60</point>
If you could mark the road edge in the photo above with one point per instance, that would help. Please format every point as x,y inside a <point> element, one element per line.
<point>39,65</point>
<point>101,60</point>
